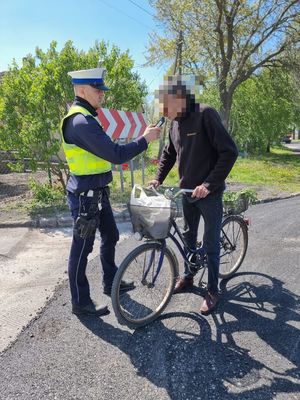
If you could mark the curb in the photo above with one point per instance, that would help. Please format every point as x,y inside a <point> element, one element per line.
<point>64,221</point>
<point>271,199</point>
<point>60,221</point>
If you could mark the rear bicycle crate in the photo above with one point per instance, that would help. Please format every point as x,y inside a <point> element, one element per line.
<point>237,206</point>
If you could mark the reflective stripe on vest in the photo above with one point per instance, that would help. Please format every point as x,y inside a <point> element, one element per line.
<point>80,161</point>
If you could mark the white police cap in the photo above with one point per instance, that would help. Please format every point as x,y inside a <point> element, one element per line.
<point>93,77</point>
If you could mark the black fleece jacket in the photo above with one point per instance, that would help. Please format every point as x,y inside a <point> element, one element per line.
<point>203,148</point>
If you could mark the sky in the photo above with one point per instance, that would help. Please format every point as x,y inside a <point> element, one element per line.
<point>24,25</point>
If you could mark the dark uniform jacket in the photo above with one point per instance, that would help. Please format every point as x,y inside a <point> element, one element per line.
<point>85,132</point>
<point>203,148</point>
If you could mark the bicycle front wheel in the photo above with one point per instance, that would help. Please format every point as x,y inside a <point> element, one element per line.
<point>153,269</point>
<point>234,243</point>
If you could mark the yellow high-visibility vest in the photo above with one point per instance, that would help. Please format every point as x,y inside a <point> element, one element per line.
<point>80,161</point>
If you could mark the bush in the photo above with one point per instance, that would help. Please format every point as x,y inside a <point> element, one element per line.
<point>151,170</point>
<point>248,194</point>
<point>238,202</point>
<point>44,194</point>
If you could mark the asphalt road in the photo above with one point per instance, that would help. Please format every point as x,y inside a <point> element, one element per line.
<point>294,146</point>
<point>32,263</point>
<point>248,350</point>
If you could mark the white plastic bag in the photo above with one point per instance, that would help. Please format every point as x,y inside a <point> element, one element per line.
<point>140,198</point>
<point>151,215</point>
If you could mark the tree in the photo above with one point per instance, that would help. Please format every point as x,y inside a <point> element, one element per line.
<point>225,41</point>
<point>264,109</point>
<point>34,98</point>
<point>292,66</point>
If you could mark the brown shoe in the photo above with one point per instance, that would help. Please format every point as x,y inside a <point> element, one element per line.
<point>183,284</point>
<point>209,303</point>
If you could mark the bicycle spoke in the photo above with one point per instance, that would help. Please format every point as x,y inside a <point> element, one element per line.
<point>234,241</point>
<point>153,285</point>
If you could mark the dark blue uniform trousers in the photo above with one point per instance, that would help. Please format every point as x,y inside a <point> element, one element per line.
<point>80,249</point>
<point>211,209</point>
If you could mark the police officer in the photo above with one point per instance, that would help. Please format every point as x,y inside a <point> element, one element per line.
<point>89,153</point>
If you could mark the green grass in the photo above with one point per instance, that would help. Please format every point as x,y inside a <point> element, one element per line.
<point>276,173</point>
<point>153,149</point>
<point>280,170</point>
<point>33,208</point>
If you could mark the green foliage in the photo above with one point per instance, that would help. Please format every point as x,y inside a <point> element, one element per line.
<point>173,174</point>
<point>279,171</point>
<point>249,194</point>
<point>151,170</point>
<point>224,42</point>
<point>34,99</point>
<point>238,202</point>
<point>44,194</point>
<point>264,109</point>
<point>210,96</point>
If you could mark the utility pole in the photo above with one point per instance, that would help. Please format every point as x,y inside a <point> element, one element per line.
<point>177,71</point>
<point>178,56</point>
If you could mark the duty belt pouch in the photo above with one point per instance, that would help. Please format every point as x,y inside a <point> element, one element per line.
<point>88,205</point>
<point>90,202</point>
<point>88,218</point>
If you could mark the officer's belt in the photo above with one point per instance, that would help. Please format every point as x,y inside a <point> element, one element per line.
<point>93,193</point>
<point>90,193</point>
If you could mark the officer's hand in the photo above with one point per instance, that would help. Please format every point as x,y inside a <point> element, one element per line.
<point>155,183</point>
<point>200,192</point>
<point>151,133</point>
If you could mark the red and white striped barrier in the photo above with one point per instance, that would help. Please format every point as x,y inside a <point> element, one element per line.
<point>122,124</point>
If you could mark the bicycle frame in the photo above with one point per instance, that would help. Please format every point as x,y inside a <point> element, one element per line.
<point>181,247</point>
<point>184,251</point>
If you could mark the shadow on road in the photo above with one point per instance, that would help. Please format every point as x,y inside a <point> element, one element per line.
<point>192,357</point>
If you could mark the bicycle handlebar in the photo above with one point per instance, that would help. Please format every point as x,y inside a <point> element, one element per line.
<point>169,194</point>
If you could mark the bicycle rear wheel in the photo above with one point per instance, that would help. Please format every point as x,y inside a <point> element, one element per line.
<point>234,243</point>
<point>153,287</point>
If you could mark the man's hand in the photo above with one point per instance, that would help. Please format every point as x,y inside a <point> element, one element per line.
<point>155,183</point>
<point>200,191</point>
<point>151,133</point>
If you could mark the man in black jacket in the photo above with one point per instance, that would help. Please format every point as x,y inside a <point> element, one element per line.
<point>205,153</point>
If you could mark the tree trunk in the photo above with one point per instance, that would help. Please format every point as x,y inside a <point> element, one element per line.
<point>62,174</point>
<point>49,176</point>
<point>162,142</point>
<point>226,103</point>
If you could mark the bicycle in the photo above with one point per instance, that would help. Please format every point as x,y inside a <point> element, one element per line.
<point>153,265</point>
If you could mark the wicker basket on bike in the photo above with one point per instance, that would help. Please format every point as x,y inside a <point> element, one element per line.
<point>151,213</point>
<point>236,205</point>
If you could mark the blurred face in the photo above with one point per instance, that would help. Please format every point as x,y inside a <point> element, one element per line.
<point>173,105</point>
<point>93,95</point>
